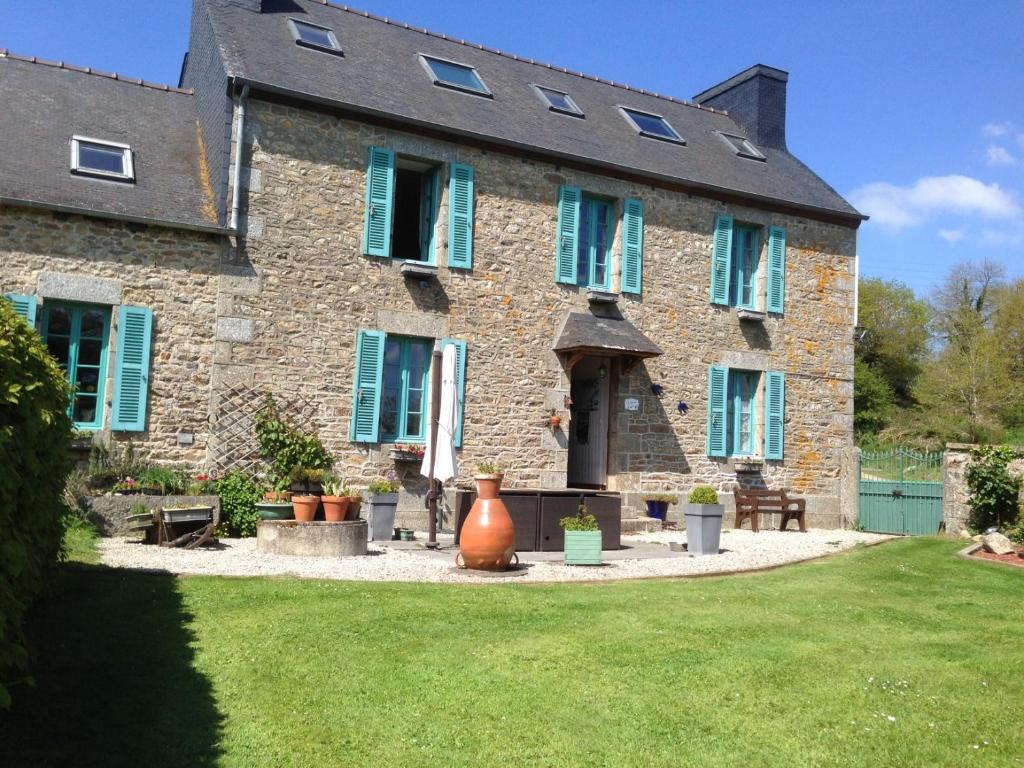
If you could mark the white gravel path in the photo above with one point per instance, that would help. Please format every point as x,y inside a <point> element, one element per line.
<point>743,551</point>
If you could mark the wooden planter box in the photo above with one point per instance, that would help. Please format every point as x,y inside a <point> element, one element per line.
<point>583,548</point>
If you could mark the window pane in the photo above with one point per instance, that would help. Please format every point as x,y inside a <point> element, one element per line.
<point>59,321</point>
<point>652,124</point>
<point>412,425</point>
<point>89,351</point>
<point>559,100</point>
<point>456,74</point>
<point>583,245</point>
<point>87,379</point>
<point>600,243</point>
<point>389,392</point>
<point>92,323</point>
<point>59,349</point>
<point>98,158</point>
<point>315,35</point>
<point>85,409</point>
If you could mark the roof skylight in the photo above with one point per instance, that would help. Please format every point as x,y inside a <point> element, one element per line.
<point>651,125</point>
<point>558,101</point>
<point>94,157</point>
<point>741,146</point>
<point>451,74</point>
<point>314,36</point>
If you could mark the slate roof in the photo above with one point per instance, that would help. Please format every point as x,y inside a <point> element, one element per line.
<point>616,336</point>
<point>46,103</point>
<point>380,74</point>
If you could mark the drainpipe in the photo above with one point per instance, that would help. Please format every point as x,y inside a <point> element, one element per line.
<point>236,176</point>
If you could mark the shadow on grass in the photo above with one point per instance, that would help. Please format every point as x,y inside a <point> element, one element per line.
<point>115,679</point>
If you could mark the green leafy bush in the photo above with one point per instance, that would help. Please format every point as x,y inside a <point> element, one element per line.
<point>35,434</point>
<point>383,484</point>
<point>284,446</point>
<point>238,496</point>
<point>993,490</point>
<point>489,468</point>
<point>703,494</point>
<point>581,521</point>
<point>667,498</point>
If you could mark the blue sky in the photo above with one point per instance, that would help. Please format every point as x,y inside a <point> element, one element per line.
<point>912,110</point>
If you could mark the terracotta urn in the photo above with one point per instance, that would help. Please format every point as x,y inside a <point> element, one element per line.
<point>305,507</point>
<point>335,508</point>
<point>488,538</point>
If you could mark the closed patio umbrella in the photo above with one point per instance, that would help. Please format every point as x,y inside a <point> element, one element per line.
<point>439,460</point>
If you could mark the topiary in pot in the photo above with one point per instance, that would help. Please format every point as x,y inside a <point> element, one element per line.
<point>582,538</point>
<point>703,521</point>
<point>657,504</point>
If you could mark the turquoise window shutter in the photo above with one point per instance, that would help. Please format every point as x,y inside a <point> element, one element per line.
<point>460,380</point>
<point>460,216</point>
<point>366,390</point>
<point>568,231</point>
<point>632,245</point>
<point>380,195</point>
<point>776,269</point>
<point>131,374</point>
<point>718,393</point>
<point>720,260</point>
<point>775,412</point>
<point>24,306</point>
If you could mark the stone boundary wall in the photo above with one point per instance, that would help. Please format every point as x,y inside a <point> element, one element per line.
<point>108,513</point>
<point>955,509</point>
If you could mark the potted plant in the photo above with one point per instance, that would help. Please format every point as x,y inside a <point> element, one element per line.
<point>488,538</point>
<point>355,501</point>
<point>582,538</point>
<point>307,480</point>
<point>554,420</point>
<point>274,509</point>
<point>703,521</point>
<point>408,451</point>
<point>657,504</point>
<point>383,503</point>
<point>187,513</point>
<point>335,499</point>
<point>304,507</point>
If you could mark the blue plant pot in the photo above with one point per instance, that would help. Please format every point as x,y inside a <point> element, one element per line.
<point>657,509</point>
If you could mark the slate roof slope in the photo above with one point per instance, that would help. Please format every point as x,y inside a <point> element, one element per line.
<point>45,104</point>
<point>380,74</point>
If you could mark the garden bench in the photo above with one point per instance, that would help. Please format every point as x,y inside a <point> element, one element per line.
<point>750,504</point>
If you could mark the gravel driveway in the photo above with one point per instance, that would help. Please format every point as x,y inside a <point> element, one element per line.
<point>742,551</point>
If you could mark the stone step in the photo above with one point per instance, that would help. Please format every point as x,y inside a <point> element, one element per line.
<point>640,525</point>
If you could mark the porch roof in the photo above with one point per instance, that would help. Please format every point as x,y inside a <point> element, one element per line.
<point>585,333</point>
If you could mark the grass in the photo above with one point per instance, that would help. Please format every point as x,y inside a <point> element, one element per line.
<point>896,655</point>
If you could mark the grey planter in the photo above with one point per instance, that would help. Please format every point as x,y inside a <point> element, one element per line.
<point>703,528</point>
<point>380,516</point>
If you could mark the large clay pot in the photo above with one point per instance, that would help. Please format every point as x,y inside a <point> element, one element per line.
<point>354,503</point>
<point>305,507</point>
<point>488,538</point>
<point>335,508</point>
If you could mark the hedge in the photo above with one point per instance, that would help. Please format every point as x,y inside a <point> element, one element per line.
<point>35,433</point>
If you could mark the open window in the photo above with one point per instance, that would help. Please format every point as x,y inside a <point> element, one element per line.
<point>106,159</point>
<point>417,189</point>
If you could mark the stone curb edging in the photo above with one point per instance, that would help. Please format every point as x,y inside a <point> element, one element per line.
<point>967,554</point>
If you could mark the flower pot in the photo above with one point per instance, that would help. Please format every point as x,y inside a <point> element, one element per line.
<point>380,515</point>
<point>583,548</point>
<point>305,507</point>
<point>488,538</point>
<point>308,488</point>
<point>274,510</point>
<point>277,496</point>
<point>406,534</point>
<point>657,509</point>
<point>354,503</point>
<point>703,528</point>
<point>555,422</point>
<point>335,508</point>
<point>196,514</point>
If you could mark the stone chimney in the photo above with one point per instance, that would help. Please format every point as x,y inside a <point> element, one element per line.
<point>756,100</point>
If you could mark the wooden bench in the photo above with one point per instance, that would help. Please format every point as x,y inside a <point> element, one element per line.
<point>749,504</point>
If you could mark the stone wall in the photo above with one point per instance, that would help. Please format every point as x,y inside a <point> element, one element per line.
<point>955,508</point>
<point>174,273</point>
<point>301,289</point>
<point>109,513</point>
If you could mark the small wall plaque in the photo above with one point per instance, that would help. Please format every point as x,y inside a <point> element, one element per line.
<point>185,438</point>
<point>632,404</point>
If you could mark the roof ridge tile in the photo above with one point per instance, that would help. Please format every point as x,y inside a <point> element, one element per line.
<point>8,54</point>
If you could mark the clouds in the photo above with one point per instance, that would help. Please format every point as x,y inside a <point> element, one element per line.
<point>899,207</point>
<point>951,235</point>
<point>996,155</point>
<point>994,130</point>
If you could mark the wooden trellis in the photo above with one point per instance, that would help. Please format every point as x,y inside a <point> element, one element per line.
<point>233,443</point>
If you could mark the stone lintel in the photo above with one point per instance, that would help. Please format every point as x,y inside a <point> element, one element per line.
<point>90,290</point>
<point>751,361</point>
<point>421,324</point>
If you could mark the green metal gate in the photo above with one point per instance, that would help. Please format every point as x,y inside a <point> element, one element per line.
<point>901,492</point>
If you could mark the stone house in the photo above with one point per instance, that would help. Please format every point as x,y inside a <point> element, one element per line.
<point>329,193</point>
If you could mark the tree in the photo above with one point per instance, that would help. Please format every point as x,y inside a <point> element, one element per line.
<point>893,333</point>
<point>873,399</point>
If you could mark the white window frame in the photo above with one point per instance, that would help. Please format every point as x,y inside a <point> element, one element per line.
<point>334,47</point>
<point>674,139</point>
<point>426,58</point>
<point>748,150</point>
<point>575,110</point>
<point>126,152</point>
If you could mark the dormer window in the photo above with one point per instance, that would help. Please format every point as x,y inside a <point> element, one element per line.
<point>741,146</point>
<point>558,101</point>
<point>451,74</point>
<point>314,36</point>
<point>94,157</point>
<point>652,126</point>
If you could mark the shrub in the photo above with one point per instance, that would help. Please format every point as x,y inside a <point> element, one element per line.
<point>703,494</point>
<point>993,490</point>
<point>668,498</point>
<point>35,433</point>
<point>384,484</point>
<point>238,496</point>
<point>284,446</point>
<point>488,468</point>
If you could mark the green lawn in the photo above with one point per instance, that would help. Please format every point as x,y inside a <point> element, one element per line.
<point>896,655</point>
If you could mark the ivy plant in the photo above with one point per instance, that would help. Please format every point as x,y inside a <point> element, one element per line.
<point>993,490</point>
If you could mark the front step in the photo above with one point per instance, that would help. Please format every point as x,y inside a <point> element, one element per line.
<point>641,525</point>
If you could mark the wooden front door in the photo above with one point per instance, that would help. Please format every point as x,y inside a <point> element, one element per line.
<point>588,425</point>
